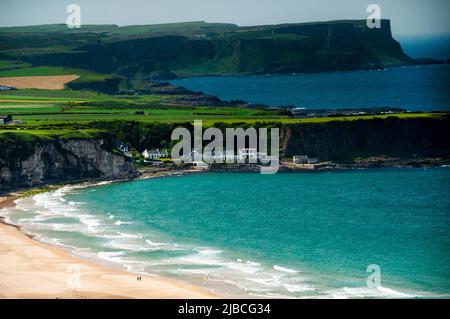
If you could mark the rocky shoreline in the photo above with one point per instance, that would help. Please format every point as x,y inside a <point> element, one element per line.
<point>174,170</point>
<point>395,162</point>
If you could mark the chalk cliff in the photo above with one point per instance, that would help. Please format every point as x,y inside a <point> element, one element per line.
<point>27,164</point>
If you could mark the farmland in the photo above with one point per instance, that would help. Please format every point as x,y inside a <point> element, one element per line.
<point>68,112</point>
<point>36,107</point>
<point>53,82</point>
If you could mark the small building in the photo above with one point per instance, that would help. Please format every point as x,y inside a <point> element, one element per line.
<point>16,122</point>
<point>6,88</point>
<point>300,159</point>
<point>304,159</point>
<point>308,163</point>
<point>5,119</point>
<point>154,154</point>
<point>250,154</point>
<point>200,165</point>
<point>214,156</point>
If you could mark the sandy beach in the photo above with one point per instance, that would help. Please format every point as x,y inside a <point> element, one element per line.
<point>32,269</point>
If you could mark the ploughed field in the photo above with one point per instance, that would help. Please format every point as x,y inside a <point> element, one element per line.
<point>53,82</point>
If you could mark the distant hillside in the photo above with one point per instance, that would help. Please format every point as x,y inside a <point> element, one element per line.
<point>199,48</point>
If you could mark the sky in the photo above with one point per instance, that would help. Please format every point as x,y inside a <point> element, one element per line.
<point>408,17</point>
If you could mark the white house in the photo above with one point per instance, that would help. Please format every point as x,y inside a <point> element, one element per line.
<point>5,119</point>
<point>214,156</point>
<point>200,165</point>
<point>304,159</point>
<point>6,88</point>
<point>300,159</point>
<point>248,153</point>
<point>154,154</point>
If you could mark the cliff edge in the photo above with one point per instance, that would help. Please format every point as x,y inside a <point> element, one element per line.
<point>35,162</point>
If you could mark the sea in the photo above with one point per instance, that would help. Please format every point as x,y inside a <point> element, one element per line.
<point>369,233</point>
<point>413,88</point>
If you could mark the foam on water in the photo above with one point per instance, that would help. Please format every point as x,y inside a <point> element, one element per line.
<point>37,214</point>
<point>283,269</point>
<point>364,292</point>
<point>111,238</point>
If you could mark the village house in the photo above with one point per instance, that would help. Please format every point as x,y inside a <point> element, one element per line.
<point>214,156</point>
<point>244,154</point>
<point>250,154</point>
<point>5,119</point>
<point>6,88</point>
<point>304,159</point>
<point>200,165</point>
<point>154,154</point>
<point>309,163</point>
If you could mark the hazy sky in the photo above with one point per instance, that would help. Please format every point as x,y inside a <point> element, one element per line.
<point>408,16</point>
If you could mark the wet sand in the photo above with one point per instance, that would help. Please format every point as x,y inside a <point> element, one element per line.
<point>32,269</point>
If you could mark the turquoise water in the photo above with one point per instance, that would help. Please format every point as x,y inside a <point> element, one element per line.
<point>247,234</point>
<point>421,88</point>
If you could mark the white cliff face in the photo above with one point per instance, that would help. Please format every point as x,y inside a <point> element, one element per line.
<point>63,160</point>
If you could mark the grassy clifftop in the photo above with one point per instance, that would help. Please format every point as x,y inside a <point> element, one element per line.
<point>341,138</point>
<point>199,48</point>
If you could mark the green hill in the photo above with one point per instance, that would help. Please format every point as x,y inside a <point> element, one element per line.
<point>199,48</point>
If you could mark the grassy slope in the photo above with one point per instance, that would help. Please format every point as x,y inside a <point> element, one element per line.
<point>223,49</point>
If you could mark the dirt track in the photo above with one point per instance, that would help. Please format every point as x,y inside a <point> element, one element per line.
<point>54,82</point>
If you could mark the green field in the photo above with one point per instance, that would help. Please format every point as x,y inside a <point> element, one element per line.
<point>69,113</point>
<point>36,107</point>
<point>201,48</point>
